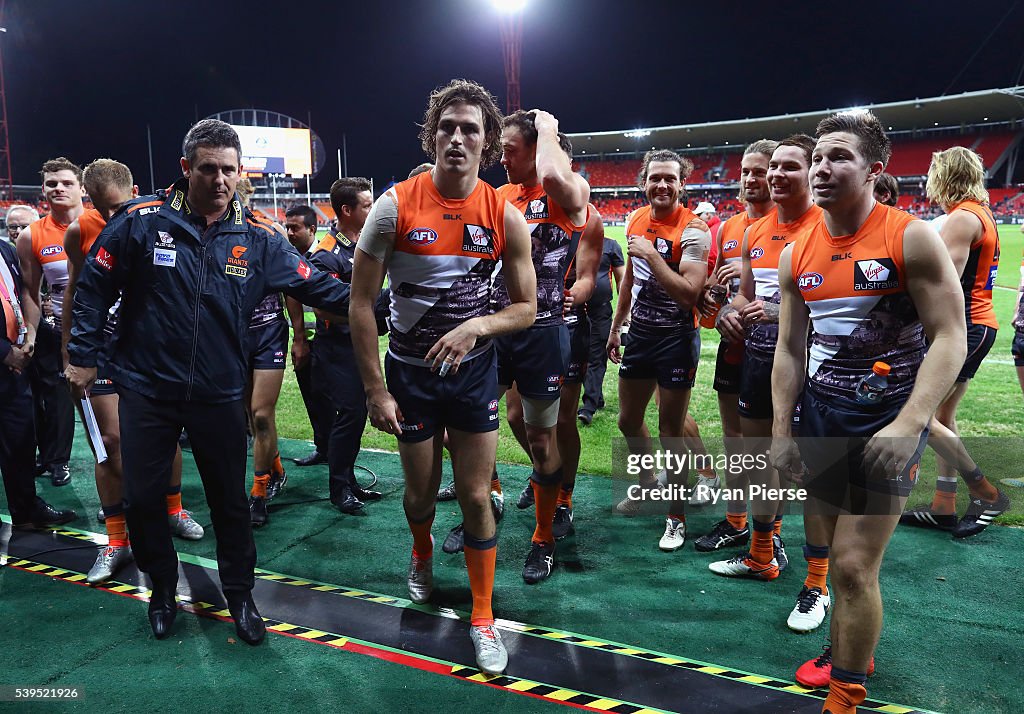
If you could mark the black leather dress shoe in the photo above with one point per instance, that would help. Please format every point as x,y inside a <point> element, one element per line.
<point>363,495</point>
<point>60,475</point>
<point>312,460</point>
<point>43,515</point>
<point>346,502</point>
<point>248,623</point>
<point>163,608</point>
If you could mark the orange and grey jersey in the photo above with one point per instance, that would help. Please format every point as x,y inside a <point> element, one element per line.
<point>979,275</point>
<point>682,237</point>
<point>855,288</point>
<point>90,224</point>
<point>442,263</point>
<point>731,234</point>
<point>1018,319</point>
<point>48,250</point>
<point>765,240</point>
<point>554,239</point>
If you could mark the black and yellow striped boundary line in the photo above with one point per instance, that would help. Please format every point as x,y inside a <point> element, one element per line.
<point>561,636</point>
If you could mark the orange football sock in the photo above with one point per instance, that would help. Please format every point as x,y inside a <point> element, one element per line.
<point>496,483</point>
<point>174,503</point>
<point>843,697</point>
<point>117,530</point>
<point>422,543</point>
<point>546,497</point>
<point>565,494</point>
<point>259,485</point>
<point>761,544</point>
<point>480,564</point>
<point>777,526</point>
<point>817,567</point>
<point>737,520</point>
<point>278,466</point>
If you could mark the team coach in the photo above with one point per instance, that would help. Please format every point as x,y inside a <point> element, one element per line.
<point>191,265</point>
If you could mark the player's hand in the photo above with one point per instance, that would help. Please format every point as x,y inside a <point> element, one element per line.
<point>79,379</point>
<point>706,304</point>
<point>300,353</point>
<point>567,303</point>
<point>753,312</point>
<point>887,452</point>
<point>452,347</point>
<point>17,359</point>
<point>614,346</point>
<point>785,457</point>
<point>727,272</point>
<point>384,412</point>
<point>730,325</point>
<point>544,121</point>
<point>641,248</point>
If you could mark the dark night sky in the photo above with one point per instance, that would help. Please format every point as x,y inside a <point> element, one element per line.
<point>84,78</point>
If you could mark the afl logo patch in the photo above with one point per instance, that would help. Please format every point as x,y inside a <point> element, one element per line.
<point>51,250</point>
<point>809,281</point>
<point>756,253</point>
<point>421,236</point>
<point>730,245</point>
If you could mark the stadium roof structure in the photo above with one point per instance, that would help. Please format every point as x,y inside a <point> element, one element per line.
<point>980,108</point>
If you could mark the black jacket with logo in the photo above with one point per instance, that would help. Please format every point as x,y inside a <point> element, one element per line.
<point>188,295</point>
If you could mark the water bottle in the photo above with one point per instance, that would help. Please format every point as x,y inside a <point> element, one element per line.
<point>872,386</point>
<point>718,295</point>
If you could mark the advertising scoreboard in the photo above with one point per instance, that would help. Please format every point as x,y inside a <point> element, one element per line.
<point>275,150</point>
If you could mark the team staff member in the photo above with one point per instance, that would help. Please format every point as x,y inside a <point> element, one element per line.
<point>438,237</point>
<point>41,251</point>
<point>301,223</point>
<point>17,440</point>
<point>192,268</point>
<point>18,219</point>
<point>892,284</point>
<point>668,265</point>
<point>756,196</point>
<point>956,183</point>
<point>110,186</point>
<point>335,372</point>
<point>599,309</point>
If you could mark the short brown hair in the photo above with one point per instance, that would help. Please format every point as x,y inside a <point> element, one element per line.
<point>887,183</point>
<point>102,173</point>
<point>61,163</point>
<point>345,190</point>
<point>524,122</point>
<point>685,165</point>
<point>468,92</point>
<point>874,143</point>
<point>762,146</point>
<point>801,141</point>
<point>245,190</point>
<point>956,174</point>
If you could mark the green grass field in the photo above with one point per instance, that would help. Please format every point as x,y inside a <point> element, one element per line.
<point>990,414</point>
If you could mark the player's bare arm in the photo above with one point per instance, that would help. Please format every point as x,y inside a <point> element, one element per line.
<point>554,170</point>
<point>788,372</point>
<point>959,232</point>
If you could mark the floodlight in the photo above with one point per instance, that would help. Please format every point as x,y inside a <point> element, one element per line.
<point>509,6</point>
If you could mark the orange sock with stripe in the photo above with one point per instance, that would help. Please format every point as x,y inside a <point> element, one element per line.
<point>480,559</point>
<point>259,485</point>
<point>422,543</point>
<point>944,500</point>
<point>979,486</point>
<point>117,527</point>
<point>845,691</point>
<point>565,494</point>
<point>278,466</point>
<point>496,483</point>
<point>777,526</point>
<point>174,501</point>
<point>817,567</point>
<point>545,495</point>
<point>761,548</point>
<point>737,520</point>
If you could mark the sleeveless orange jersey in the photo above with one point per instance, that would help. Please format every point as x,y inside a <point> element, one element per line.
<point>732,240</point>
<point>444,257</point>
<point>765,241</point>
<point>48,249</point>
<point>1018,320</point>
<point>555,239</point>
<point>979,274</point>
<point>855,289</point>
<point>652,307</point>
<point>90,225</point>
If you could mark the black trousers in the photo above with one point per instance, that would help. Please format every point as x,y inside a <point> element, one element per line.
<point>17,444</point>
<point>593,382</point>
<point>335,374</point>
<point>54,412</point>
<point>318,406</point>
<point>149,435</point>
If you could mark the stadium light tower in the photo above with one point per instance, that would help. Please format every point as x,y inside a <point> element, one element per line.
<point>511,24</point>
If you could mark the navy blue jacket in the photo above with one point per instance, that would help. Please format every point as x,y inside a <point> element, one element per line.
<point>188,295</point>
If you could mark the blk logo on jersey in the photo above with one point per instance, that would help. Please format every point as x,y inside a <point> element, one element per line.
<point>537,209</point>
<point>421,236</point>
<point>477,239</point>
<point>809,281</point>
<point>875,274</point>
<point>756,253</point>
